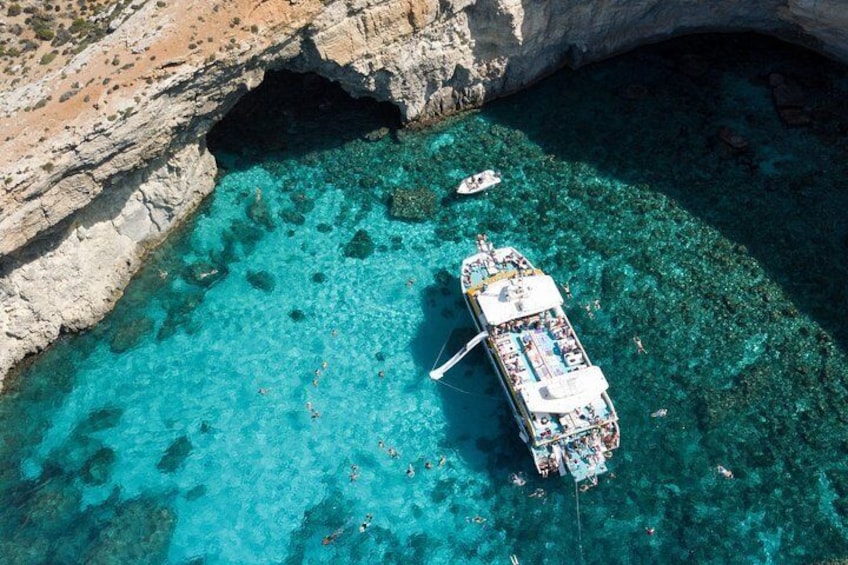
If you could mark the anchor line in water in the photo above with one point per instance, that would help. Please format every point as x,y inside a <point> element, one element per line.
<point>441,351</point>
<point>467,392</point>
<point>579,525</point>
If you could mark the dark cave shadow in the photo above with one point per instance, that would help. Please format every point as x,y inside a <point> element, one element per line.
<point>653,117</point>
<point>296,114</point>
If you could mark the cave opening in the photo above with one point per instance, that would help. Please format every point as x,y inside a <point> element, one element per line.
<point>293,112</point>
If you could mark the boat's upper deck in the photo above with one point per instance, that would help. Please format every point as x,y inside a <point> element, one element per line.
<point>504,286</point>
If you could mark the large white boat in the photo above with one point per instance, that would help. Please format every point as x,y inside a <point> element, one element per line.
<point>479,182</point>
<point>558,397</point>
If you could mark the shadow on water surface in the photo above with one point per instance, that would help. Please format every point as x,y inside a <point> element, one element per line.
<point>469,392</point>
<point>696,119</point>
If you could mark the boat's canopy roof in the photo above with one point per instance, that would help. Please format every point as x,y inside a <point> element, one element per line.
<point>509,299</point>
<point>565,392</point>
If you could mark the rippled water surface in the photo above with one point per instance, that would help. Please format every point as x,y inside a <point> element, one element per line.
<point>280,343</point>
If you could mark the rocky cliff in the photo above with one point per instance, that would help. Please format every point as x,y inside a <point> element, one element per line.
<point>104,153</point>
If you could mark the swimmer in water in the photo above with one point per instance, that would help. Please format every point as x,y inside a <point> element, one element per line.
<point>332,537</point>
<point>661,413</point>
<point>724,472</point>
<point>538,493</point>
<point>364,525</point>
<point>518,479</point>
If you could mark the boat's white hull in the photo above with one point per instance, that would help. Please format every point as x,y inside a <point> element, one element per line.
<point>479,182</point>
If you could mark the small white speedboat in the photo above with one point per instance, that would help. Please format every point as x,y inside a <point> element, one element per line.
<point>479,182</point>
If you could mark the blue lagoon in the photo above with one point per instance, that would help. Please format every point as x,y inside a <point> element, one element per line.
<point>260,393</point>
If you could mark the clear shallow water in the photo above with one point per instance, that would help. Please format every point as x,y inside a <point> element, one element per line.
<point>148,439</point>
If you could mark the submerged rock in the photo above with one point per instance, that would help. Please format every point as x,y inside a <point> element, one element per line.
<point>377,134</point>
<point>292,216</point>
<point>129,334</point>
<point>297,315</point>
<point>732,139</point>
<point>195,492</point>
<point>790,100</point>
<point>413,204</point>
<point>261,280</point>
<point>101,419</point>
<point>361,246</point>
<point>139,532</point>
<point>98,467</point>
<point>50,501</point>
<point>302,203</point>
<point>180,314</point>
<point>176,455</point>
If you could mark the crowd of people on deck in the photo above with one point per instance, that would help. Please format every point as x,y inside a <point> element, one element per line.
<point>508,262</point>
<point>557,329</point>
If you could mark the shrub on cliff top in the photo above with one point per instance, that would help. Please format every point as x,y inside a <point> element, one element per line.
<point>47,58</point>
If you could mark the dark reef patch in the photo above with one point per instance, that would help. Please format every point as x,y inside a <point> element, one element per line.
<point>261,280</point>
<point>413,204</point>
<point>129,333</point>
<point>98,467</point>
<point>175,455</point>
<point>361,246</point>
<point>101,419</point>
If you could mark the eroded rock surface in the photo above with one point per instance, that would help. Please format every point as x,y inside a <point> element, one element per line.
<point>103,150</point>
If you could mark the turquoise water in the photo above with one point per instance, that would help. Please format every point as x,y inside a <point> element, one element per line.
<point>191,425</point>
